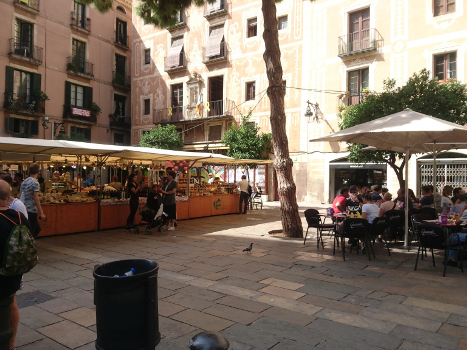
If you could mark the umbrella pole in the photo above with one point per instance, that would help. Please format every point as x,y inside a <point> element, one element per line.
<point>406,200</point>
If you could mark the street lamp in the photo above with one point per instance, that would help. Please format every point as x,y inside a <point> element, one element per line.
<point>45,125</point>
<point>309,112</point>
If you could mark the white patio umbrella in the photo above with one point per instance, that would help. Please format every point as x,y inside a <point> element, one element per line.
<point>405,132</point>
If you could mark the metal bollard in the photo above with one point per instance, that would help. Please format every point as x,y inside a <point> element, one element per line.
<point>209,341</point>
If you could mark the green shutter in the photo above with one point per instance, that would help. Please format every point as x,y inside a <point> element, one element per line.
<point>36,85</point>
<point>87,134</point>
<point>87,97</point>
<point>72,130</point>
<point>34,127</point>
<point>10,124</point>
<point>67,93</point>
<point>9,79</point>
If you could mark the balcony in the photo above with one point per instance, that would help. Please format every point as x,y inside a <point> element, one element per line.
<point>120,122</point>
<point>121,40</point>
<point>28,5</point>
<point>366,40</point>
<point>218,8</point>
<point>221,108</point>
<point>222,57</point>
<point>80,23</point>
<point>75,113</point>
<point>180,65</point>
<point>23,104</point>
<point>79,66</point>
<point>351,99</point>
<point>28,53</point>
<point>121,80</point>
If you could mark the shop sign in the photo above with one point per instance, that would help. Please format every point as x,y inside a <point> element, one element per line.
<point>14,167</point>
<point>217,204</point>
<point>80,112</point>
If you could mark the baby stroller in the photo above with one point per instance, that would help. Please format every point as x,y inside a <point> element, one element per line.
<point>152,214</point>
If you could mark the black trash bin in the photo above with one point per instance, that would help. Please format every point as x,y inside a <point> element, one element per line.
<point>126,307</point>
<point>6,332</point>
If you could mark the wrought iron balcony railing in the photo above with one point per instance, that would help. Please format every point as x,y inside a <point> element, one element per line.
<point>23,103</point>
<point>120,121</point>
<point>221,108</point>
<point>365,40</point>
<point>181,64</point>
<point>31,53</point>
<point>79,21</point>
<point>120,79</point>
<point>351,99</point>
<point>79,113</point>
<point>223,55</point>
<point>78,65</point>
<point>30,4</point>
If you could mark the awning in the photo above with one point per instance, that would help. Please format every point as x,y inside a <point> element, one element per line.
<point>173,58</point>
<point>214,42</point>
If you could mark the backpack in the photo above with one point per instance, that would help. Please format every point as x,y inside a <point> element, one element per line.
<point>20,254</point>
<point>250,190</point>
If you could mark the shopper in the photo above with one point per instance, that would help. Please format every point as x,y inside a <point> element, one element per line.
<point>170,206</point>
<point>338,204</point>
<point>16,185</point>
<point>244,196</point>
<point>29,195</point>
<point>133,193</point>
<point>9,285</point>
<point>13,203</point>
<point>115,184</point>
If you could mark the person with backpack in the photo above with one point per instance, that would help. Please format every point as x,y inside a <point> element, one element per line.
<point>9,284</point>
<point>245,193</point>
<point>30,197</point>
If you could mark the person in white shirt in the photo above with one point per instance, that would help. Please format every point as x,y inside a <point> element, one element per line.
<point>244,196</point>
<point>445,200</point>
<point>370,210</point>
<point>210,181</point>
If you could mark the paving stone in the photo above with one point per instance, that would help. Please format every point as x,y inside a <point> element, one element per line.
<point>48,285</point>
<point>244,304</point>
<point>281,292</point>
<point>89,346</point>
<point>214,276</point>
<point>81,282</point>
<point>354,299</point>
<point>289,344</point>
<point>332,304</point>
<point>82,316</point>
<point>289,304</point>
<point>32,298</point>
<point>26,335</point>
<point>462,345</point>
<point>69,334</point>
<point>434,305</point>
<point>288,316</point>
<point>457,320</point>
<point>43,344</point>
<point>410,345</point>
<point>253,336</point>
<point>79,296</point>
<point>35,317</point>
<point>336,287</point>
<point>172,344</point>
<point>415,311</point>
<point>189,301</point>
<point>164,293</point>
<point>169,284</point>
<point>425,337</point>
<point>201,293</point>
<point>310,289</point>
<point>357,320</point>
<point>58,305</point>
<point>202,320</point>
<point>242,283</point>
<point>337,342</point>
<point>167,309</point>
<point>201,282</point>
<point>452,330</point>
<point>282,284</point>
<point>232,314</point>
<point>235,291</point>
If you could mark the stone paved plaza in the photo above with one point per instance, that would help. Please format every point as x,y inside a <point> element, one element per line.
<point>282,296</point>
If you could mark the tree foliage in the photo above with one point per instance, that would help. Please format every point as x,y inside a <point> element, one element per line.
<point>162,137</point>
<point>244,141</point>
<point>422,94</point>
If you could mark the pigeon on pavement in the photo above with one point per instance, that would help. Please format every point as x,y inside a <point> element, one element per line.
<point>248,249</point>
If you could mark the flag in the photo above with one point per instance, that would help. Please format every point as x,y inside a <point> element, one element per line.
<point>198,105</point>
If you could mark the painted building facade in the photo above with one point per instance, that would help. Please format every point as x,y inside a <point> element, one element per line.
<point>76,57</point>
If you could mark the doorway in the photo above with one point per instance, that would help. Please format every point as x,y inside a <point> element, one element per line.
<point>216,96</point>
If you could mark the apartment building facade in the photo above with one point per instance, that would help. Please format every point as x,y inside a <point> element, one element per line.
<point>65,69</point>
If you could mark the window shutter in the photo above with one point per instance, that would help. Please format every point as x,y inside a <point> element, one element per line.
<point>87,97</point>
<point>10,124</point>
<point>73,130</point>
<point>36,84</point>
<point>87,134</point>
<point>67,93</point>
<point>34,126</point>
<point>9,79</point>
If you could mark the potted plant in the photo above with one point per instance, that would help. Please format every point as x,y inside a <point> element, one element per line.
<point>366,91</point>
<point>71,66</point>
<point>40,97</point>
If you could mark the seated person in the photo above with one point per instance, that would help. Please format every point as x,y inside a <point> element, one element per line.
<point>387,204</point>
<point>456,193</point>
<point>376,194</point>
<point>400,200</point>
<point>425,201</point>
<point>352,203</point>
<point>452,253</point>
<point>115,184</point>
<point>457,208</point>
<point>370,210</point>
<point>338,204</point>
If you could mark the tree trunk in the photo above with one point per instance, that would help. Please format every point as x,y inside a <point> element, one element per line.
<point>291,222</point>
<point>399,170</point>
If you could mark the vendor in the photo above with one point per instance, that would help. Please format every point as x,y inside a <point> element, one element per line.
<point>77,182</point>
<point>211,180</point>
<point>115,184</point>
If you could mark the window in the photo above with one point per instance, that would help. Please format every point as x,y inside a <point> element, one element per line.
<point>215,133</point>
<point>357,80</point>
<point>215,47</point>
<point>79,14</point>
<point>175,57</point>
<point>250,91</point>
<point>121,33</point>
<point>121,9</point>
<point>359,30</point>
<point>85,132</point>
<point>21,85</point>
<point>147,107</point>
<point>445,66</point>
<point>216,6</point>
<point>120,66</point>
<point>181,16</point>
<point>22,127</point>
<point>118,139</point>
<point>442,7</point>
<point>284,85</point>
<point>283,22</point>
<point>177,95</point>
<point>77,95</point>
<point>147,56</point>
<point>119,105</point>
<point>79,55</point>
<point>252,28</point>
<point>23,38</point>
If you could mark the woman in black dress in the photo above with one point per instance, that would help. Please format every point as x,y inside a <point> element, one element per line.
<point>169,199</point>
<point>133,192</point>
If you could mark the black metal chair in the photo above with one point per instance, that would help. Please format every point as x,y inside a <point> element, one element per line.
<point>429,211</point>
<point>356,230</point>
<point>396,223</point>
<point>313,219</point>
<point>431,236</point>
<point>379,227</point>
<point>417,219</point>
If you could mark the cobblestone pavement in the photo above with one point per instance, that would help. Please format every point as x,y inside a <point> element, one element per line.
<point>283,295</point>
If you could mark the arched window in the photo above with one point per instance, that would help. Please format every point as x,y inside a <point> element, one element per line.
<point>121,9</point>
